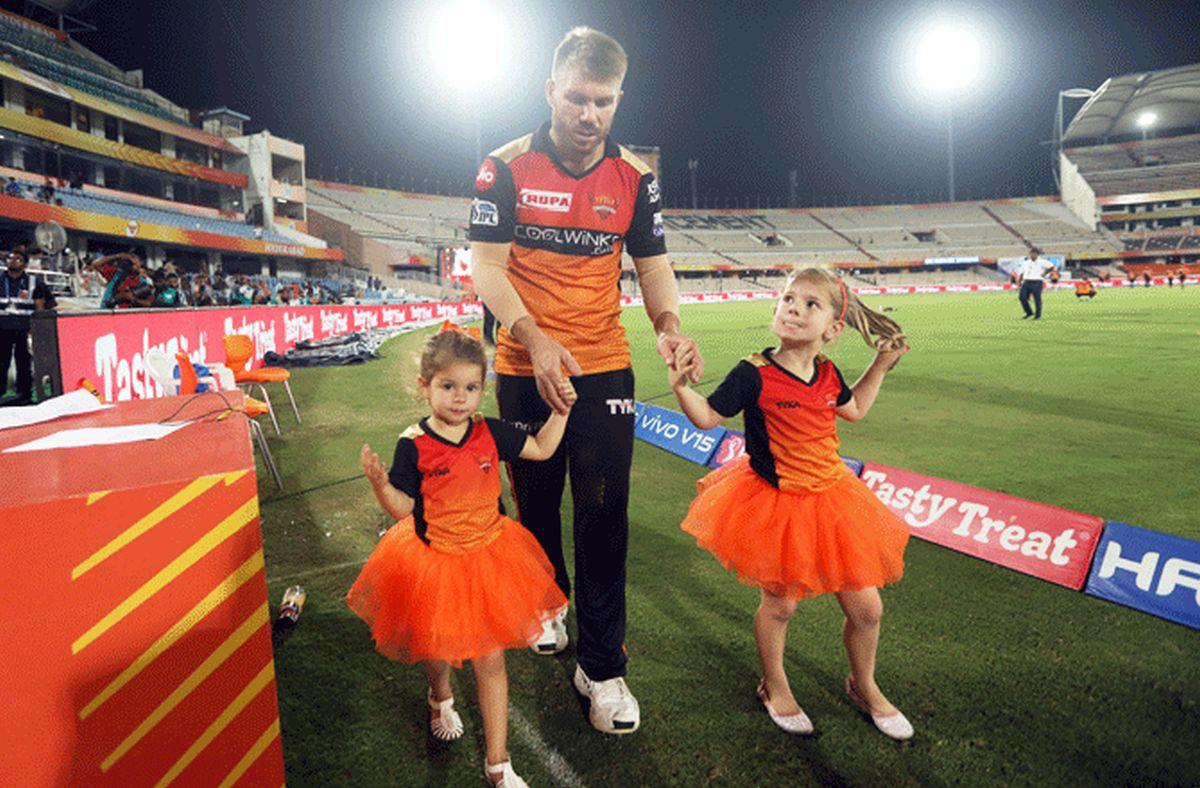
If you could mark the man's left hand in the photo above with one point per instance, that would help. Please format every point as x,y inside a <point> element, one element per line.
<point>680,353</point>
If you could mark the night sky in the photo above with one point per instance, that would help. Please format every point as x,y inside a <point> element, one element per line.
<point>751,90</point>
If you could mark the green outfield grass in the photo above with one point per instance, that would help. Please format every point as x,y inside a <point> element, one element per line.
<point>1007,679</point>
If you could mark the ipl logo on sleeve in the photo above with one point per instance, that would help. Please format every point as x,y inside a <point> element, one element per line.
<point>484,213</point>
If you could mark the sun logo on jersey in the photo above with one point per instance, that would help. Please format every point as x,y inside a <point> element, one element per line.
<point>604,206</point>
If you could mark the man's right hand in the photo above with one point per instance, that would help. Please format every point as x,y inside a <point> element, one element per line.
<point>548,358</point>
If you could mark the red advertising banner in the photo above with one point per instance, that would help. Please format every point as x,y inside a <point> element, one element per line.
<point>1034,538</point>
<point>110,348</point>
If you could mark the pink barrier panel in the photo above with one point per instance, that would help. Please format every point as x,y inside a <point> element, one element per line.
<point>110,348</point>
<point>1034,538</point>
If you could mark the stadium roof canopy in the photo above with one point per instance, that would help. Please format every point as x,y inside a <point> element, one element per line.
<point>1111,114</point>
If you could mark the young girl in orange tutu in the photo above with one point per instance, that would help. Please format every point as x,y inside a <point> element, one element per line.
<point>453,579</point>
<point>789,517</point>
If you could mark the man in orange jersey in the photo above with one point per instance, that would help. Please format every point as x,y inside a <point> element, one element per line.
<point>552,214</point>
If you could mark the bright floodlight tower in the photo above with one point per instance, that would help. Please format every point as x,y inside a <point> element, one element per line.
<point>467,46</point>
<point>947,60</point>
<point>1146,121</point>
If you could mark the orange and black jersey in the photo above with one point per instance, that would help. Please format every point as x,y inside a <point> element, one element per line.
<point>567,234</point>
<point>456,486</point>
<point>791,424</point>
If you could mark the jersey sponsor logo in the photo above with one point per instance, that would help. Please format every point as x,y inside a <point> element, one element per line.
<point>485,463</point>
<point>605,206</point>
<point>658,225</point>
<point>484,213</point>
<point>486,175</point>
<point>559,202</point>
<point>436,472</point>
<point>653,193</point>
<point>573,241</point>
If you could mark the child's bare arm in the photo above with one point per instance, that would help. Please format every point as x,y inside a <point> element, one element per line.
<point>866,388</point>
<point>543,445</point>
<point>396,503</point>
<point>694,405</point>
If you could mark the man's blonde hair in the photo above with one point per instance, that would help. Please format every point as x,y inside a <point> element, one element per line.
<point>597,54</point>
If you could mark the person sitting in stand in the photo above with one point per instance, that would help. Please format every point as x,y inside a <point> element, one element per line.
<point>167,294</point>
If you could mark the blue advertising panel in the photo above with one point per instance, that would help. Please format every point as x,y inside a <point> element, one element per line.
<point>670,430</point>
<point>1156,573</point>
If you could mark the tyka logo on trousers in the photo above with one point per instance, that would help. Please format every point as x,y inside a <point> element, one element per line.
<point>623,407</point>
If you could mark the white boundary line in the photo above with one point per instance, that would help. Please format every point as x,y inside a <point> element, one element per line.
<point>559,770</point>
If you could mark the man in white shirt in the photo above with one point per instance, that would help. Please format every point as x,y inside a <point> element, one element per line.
<point>1032,271</point>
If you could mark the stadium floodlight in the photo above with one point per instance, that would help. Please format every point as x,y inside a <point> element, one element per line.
<point>466,45</point>
<point>1146,120</point>
<point>947,61</point>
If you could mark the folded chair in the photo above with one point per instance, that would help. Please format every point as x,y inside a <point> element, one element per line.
<point>238,350</point>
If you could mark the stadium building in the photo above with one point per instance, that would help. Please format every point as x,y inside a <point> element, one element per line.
<point>86,145</point>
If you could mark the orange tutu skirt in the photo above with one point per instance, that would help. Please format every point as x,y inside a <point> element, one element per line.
<point>797,544</point>
<point>422,603</point>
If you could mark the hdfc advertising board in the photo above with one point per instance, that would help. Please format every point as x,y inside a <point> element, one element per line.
<point>110,348</point>
<point>1149,571</point>
<point>1034,538</point>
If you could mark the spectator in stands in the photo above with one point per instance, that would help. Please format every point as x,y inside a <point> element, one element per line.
<point>46,193</point>
<point>12,188</point>
<point>20,294</point>
<point>167,293</point>
<point>128,284</point>
<point>1033,271</point>
<point>76,180</point>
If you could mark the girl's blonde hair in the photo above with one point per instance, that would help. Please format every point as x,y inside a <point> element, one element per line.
<point>879,331</point>
<point>446,348</point>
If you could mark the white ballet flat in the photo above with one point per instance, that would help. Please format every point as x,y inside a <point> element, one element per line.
<point>894,726</point>
<point>448,726</point>
<point>508,778</point>
<point>796,724</point>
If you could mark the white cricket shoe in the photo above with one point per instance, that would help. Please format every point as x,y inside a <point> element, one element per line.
<point>554,636</point>
<point>611,706</point>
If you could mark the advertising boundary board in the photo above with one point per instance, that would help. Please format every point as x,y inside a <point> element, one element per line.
<point>1037,539</point>
<point>1149,571</point>
<point>110,347</point>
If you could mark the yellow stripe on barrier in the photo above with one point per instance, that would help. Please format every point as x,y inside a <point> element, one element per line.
<point>222,721</point>
<point>244,515</point>
<point>239,636</point>
<point>251,755</point>
<point>223,591</point>
<point>93,497</point>
<point>161,512</point>
<point>232,477</point>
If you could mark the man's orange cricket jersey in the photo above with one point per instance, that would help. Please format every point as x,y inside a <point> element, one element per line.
<point>567,234</point>
<point>456,486</point>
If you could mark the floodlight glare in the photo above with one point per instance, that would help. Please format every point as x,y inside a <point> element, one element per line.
<point>947,59</point>
<point>1147,119</point>
<point>466,43</point>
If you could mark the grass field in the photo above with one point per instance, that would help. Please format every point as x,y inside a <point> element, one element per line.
<point>1007,679</point>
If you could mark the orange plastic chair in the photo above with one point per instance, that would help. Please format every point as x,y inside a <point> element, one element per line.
<point>238,350</point>
<point>188,382</point>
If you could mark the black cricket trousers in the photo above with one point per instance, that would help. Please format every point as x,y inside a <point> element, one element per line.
<point>597,450</point>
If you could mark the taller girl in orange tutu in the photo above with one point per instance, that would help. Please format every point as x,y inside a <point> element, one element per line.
<point>789,517</point>
<point>453,579</point>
